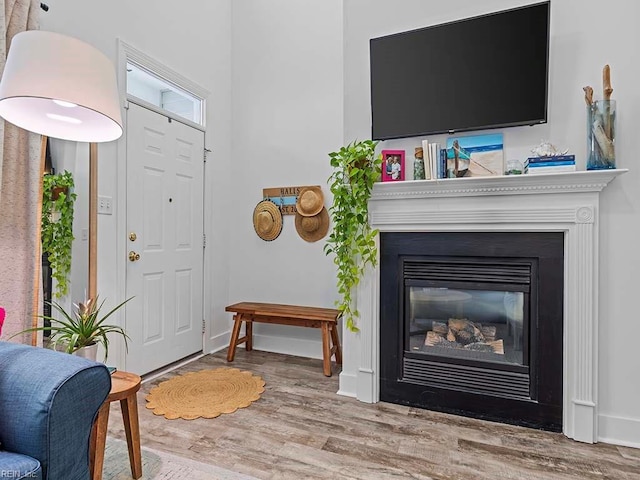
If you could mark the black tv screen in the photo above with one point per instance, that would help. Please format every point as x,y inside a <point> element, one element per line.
<point>483,72</point>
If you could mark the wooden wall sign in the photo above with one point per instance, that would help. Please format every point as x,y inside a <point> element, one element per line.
<point>284,197</point>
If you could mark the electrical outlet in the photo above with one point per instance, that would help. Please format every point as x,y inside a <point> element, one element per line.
<point>105,205</point>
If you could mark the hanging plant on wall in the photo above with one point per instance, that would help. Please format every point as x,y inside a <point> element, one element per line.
<point>352,240</point>
<point>57,226</point>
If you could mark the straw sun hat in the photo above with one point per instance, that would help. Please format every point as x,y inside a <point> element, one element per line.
<point>310,201</point>
<point>313,228</point>
<point>267,220</point>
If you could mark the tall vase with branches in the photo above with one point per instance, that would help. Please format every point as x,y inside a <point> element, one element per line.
<point>352,241</point>
<point>57,226</point>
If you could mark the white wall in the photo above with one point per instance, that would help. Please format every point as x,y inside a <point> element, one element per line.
<point>194,41</point>
<point>582,42</point>
<point>287,116</point>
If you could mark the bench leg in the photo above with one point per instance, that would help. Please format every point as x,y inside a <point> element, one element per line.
<point>326,350</point>
<point>336,343</point>
<point>249,333</point>
<point>234,337</point>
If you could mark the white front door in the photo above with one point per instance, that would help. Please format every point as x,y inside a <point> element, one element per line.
<point>165,239</point>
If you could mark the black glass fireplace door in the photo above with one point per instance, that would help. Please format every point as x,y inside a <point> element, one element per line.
<point>480,325</point>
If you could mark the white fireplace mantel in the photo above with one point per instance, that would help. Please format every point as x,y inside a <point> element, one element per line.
<point>564,202</point>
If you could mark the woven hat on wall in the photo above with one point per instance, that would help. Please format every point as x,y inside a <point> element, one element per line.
<point>267,220</point>
<point>313,228</point>
<point>310,201</point>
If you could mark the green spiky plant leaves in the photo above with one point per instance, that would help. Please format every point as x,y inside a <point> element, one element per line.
<point>352,241</point>
<point>81,327</point>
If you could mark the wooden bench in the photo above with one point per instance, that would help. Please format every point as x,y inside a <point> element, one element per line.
<point>314,317</point>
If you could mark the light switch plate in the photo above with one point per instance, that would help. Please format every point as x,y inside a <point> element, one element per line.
<point>105,205</point>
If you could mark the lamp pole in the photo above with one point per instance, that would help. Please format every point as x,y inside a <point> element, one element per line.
<point>93,220</point>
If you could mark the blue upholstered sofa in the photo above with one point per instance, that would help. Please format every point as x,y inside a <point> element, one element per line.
<point>48,401</point>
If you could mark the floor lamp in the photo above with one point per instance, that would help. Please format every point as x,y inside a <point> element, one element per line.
<point>61,87</point>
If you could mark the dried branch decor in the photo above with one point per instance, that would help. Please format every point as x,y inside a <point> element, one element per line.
<point>601,125</point>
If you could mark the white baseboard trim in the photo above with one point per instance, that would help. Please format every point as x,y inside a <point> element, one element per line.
<point>218,342</point>
<point>287,346</point>
<point>348,385</point>
<point>619,431</point>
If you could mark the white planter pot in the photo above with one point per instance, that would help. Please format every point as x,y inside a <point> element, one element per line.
<point>90,352</point>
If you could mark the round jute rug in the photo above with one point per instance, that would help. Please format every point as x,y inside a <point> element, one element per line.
<point>206,393</point>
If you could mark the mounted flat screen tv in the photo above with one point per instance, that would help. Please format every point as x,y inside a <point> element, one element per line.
<point>483,72</point>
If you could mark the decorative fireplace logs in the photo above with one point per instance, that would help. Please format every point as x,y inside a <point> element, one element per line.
<point>461,333</point>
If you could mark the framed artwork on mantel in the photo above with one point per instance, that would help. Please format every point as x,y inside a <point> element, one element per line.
<point>475,156</point>
<point>392,165</point>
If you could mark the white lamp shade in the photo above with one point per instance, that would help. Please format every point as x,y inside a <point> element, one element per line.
<point>61,87</point>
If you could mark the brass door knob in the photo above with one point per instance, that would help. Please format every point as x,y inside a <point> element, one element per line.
<point>133,256</point>
<point>133,236</point>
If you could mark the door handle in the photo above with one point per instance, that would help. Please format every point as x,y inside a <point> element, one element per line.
<point>133,256</point>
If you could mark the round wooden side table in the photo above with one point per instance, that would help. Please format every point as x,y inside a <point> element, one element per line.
<point>124,387</point>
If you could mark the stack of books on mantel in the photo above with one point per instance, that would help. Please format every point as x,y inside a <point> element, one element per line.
<point>555,164</point>
<point>435,160</point>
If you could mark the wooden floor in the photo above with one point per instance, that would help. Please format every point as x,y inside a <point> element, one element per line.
<point>300,429</point>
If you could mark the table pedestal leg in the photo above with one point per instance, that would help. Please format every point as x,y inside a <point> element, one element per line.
<point>98,441</point>
<point>132,429</point>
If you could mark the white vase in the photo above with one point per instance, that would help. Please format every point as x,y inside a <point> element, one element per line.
<point>90,352</point>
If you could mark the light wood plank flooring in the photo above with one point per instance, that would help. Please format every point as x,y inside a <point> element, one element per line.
<point>300,429</point>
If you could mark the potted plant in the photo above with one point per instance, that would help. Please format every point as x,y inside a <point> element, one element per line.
<point>57,226</point>
<point>81,331</point>
<point>352,240</point>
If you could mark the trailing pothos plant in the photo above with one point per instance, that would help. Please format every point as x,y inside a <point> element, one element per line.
<point>57,226</point>
<point>352,240</point>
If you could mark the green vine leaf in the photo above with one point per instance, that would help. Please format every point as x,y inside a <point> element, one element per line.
<point>57,227</point>
<point>352,240</point>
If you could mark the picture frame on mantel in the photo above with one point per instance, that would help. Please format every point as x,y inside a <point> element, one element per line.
<point>475,156</point>
<point>393,165</point>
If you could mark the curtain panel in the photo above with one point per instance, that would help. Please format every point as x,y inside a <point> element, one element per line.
<point>20,196</point>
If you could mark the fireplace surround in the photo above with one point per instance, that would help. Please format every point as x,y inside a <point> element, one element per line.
<point>566,203</point>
